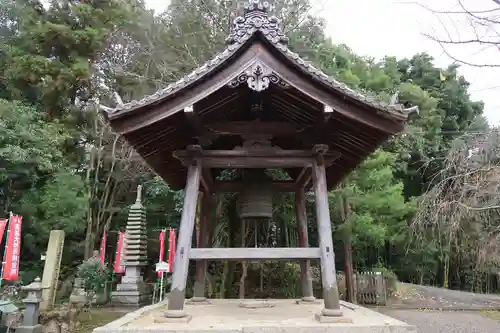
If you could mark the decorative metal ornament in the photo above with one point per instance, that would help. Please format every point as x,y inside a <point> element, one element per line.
<point>256,199</point>
<point>258,76</point>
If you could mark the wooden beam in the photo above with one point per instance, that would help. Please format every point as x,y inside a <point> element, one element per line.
<point>227,186</point>
<point>257,162</point>
<point>252,158</point>
<point>196,127</point>
<point>273,152</point>
<point>207,180</point>
<point>304,178</point>
<point>327,112</point>
<point>251,253</point>
<point>273,128</point>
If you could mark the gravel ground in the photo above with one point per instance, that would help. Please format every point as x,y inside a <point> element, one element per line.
<point>445,322</point>
<point>438,298</point>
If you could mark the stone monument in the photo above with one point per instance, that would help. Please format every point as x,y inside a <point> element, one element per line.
<point>78,294</point>
<point>132,291</point>
<point>51,269</point>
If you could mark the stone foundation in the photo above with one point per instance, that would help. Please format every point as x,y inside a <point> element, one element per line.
<point>281,316</point>
<point>131,295</point>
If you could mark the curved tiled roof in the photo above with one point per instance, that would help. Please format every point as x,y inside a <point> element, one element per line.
<point>257,20</point>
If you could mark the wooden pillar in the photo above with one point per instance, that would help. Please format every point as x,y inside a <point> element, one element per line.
<point>350,295</point>
<point>305,271</point>
<point>201,265</point>
<point>179,277</point>
<point>327,255</point>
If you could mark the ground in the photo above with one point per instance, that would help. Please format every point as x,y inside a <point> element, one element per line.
<point>415,296</point>
<point>447,321</point>
<point>410,297</point>
<point>96,317</point>
<point>441,319</point>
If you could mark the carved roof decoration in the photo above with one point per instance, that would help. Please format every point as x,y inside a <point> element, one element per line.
<point>256,20</point>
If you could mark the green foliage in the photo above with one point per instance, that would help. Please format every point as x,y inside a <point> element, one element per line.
<point>390,277</point>
<point>94,275</point>
<point>27,142</point>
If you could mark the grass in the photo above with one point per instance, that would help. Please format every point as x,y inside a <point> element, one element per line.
<point>495,315</point>
<point>94,318</point>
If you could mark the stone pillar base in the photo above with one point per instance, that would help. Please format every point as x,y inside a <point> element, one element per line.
<point>198,301</point>
<point>308,299</point>
<point>332,316</point>
<point>173,316</point>
<point>320,317</point>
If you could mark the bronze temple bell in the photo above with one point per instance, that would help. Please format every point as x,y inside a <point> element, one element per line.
<point>256,198</point>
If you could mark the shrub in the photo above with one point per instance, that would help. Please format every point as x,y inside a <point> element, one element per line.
<point>93,274</point>
<point>391,280</point>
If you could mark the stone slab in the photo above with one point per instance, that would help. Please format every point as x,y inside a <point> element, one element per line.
<point>29,329</point>
<point>51,269</point>
<point>226,316</point>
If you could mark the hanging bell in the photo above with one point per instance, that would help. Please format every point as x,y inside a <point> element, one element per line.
<point>256,198</point>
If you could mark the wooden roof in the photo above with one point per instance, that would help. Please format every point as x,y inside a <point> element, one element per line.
<point>255,85</point>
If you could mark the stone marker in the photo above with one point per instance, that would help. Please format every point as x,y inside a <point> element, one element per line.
<point>51,269</point>
<point>78,294</point>
<point>132,291</point>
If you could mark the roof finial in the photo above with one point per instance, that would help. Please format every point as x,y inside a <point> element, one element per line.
<point>256,18</point>
<point>139,194</point>
<point>258,6</point>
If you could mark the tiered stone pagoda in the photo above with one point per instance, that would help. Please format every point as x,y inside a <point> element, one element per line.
<point>132,291</point>
<point>255,106</point>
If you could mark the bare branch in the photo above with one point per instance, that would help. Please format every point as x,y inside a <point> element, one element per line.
<point>484,25</point>
<point>461,210</point>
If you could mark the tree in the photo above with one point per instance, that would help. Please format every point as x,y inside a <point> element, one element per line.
<point>461,211</point>
<point>481,32</point>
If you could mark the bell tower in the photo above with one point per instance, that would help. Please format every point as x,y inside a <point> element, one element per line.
<point>258,106</point>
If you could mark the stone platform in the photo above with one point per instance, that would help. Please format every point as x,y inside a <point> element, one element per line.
<point>281,316</point>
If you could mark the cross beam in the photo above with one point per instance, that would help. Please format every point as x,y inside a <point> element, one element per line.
<point>259,253</point>
<point>225,186</point>
<point>251,158</point>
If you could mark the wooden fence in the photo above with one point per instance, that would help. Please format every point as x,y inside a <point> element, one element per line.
<point>371,288</point>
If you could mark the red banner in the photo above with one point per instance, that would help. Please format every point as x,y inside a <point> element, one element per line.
<point>119,268</point>
<point>162,250</point>
<point>102,254</point>
<point>3,225</point>
<point>171,250</point>
<point>11,260</point>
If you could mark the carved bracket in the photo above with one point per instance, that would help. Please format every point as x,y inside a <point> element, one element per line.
<point>258,76</point>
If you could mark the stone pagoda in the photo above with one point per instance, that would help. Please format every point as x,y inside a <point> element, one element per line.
<point>132,291</point>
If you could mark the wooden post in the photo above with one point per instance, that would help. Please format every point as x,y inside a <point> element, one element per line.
<point>201,265</point>
<point>345,212</point>
<point>305,273</point>
<point>328,273</point>
<point>179,277</point>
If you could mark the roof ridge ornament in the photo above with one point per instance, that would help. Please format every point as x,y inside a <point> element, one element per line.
<point>257,6</point>
<point>258,76</point>
<point>256,18</point>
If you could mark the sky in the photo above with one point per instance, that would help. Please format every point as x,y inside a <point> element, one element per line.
<point>378,28</point>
